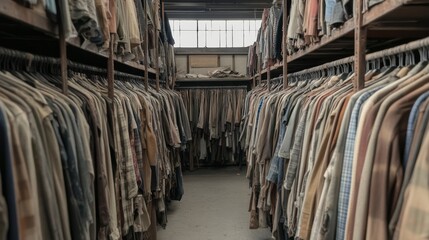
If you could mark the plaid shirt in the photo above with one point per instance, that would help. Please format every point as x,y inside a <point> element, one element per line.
<point>345,185</point>
<point>295,153</point>
<point>128,181</point>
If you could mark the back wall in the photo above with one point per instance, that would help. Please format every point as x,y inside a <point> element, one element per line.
<point>203,60</point>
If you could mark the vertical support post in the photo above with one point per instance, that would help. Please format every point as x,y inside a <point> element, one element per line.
<point>63,52</point>
<point>155,40</point>
<point>111,68</point>
<point>63,60</point>
<point>146,47</point>
<point>233,62</point>
<point>188,64</point>
<point>157,58</point>
<point>253,81</point>
<point>259,64</point>
<point>360,46</point>
<point>167,83</point>
<point>285,27</point>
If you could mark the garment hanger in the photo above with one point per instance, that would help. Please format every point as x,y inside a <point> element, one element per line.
<point>303,81</point>
<point>292,81</point>
<point>423,57</point>
<point>413,58</point>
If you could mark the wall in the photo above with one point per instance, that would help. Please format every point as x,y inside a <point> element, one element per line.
<point>203,60</point>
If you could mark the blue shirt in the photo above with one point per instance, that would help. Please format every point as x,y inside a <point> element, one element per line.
<point>346,175</point>
<point>411,126</point>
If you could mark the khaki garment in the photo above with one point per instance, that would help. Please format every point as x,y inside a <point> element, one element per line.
<point>360,221</point>
<point>382,201</point>
<point>414,219</point>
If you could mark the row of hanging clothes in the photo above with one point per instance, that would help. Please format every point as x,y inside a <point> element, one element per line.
<point>327,162</point>
<point>215,114</point>
<point>82,165</point>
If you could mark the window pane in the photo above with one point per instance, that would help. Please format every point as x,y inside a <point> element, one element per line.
<point>229,38</point>
<point>213,39</point>
<point>249,38</point>
<point>189,38</point>
<point>253,25</point>
<point>203,25</point>
<point>235,25</point>
<point>202,39</point>
<point>222,36</point>
<point>238,39</point>
<point>247,25</point>
<point>174,24</point>
<point>188,25</point>
<point>258,24</point>
<point>218,25</point>
<point>229,24</point>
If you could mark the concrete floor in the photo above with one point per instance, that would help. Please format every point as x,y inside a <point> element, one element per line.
<point>214,207</point>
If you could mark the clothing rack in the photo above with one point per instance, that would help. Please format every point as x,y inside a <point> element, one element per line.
<point>119,75</point>
<point>274,80</point>
<point>213,82</point>
<point>17,60</point>
<point>14,60</point>
<point>403,52</point>
<point>408,47</point>
<point>212,87</point>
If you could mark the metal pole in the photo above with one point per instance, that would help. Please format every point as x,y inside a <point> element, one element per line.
<point>360,47</point>
<point>285,18</point>
<point>63,52</point>
<point>63,59</point>
<point>259,64</point>
<point>111,68</point>
<point>157,59</point>
<point>146,48</point>
<point>156,39</point>
<point>169,60</point>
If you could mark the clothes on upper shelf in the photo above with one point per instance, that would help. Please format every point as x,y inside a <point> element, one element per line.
<point>221,72</point>
<point>225,72</point>
<point>95,20</point>
<point>215,116</point>
<point>326,162</point>
<point>84,166</point>
<point>252,60</point>
<point>264,51</point>
<point>308,21</point>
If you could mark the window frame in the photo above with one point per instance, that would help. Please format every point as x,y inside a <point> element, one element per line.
<point>246,27</point>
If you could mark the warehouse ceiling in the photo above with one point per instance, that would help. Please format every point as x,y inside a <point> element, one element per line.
<point>215,9</point>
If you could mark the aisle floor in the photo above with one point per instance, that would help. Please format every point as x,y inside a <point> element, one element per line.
<point>214,207</point>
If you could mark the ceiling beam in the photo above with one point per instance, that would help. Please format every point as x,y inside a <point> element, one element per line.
<point>219,9</point>
<point>217,1</point>
<point>215,15</point>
